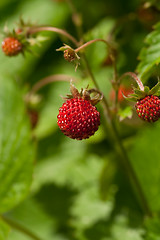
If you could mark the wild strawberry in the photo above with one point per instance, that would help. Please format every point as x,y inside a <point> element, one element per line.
<point>148,108</point>
<point>11,46</point>
<point>148,102</point>
<point>78,118</point>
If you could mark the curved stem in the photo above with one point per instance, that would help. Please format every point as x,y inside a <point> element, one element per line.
<point>20,228</point>
<point>135,77</point>
<point>53,78</point>
<point>90,42</point>
<point>45,81</point>
<point>33,30</point>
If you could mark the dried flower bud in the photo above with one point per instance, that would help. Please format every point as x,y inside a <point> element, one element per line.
<point>69,55</point>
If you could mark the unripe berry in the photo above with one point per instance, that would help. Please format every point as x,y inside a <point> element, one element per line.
<point>69,55</point>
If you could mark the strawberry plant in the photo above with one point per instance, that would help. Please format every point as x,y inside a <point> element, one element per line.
<point>80,164</point>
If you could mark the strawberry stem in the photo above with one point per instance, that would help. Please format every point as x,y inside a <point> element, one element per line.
<point>50,79</point>
<point>135,77</point>
<point>90,42</point>
<point>33,30</point>
<point>119,145</point>
<point>20,228</point>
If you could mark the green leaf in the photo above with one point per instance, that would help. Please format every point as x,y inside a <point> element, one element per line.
<point>16,148</point>
<point>152,228</point>
<point>4,230</point>
<point>31,216</point>
<point>150,54</point>
<point>68,168</point>
<point>88,208</point>
<point>125,113</point>
<point>122,230</point>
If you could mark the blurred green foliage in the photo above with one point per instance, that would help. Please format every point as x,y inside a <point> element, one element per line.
<point>78,189</point>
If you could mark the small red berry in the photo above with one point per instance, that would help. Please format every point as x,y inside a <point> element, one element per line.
<point>148,108</point>
<point>126,90</point>
<point>11,46</point>
<point>78,118</point>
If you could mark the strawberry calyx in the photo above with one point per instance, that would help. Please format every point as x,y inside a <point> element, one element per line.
<point>139,94</point>
<point>142,91</point>
<point>84,94</point>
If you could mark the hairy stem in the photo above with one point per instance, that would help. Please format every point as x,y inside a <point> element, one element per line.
<point>20,228</point>
<point>33,30</point>
<point>90,42</point>
<point>135,77</point>
<point>53,78</point>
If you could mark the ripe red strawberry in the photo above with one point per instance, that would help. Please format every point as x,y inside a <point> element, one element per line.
<point>148,108</point>
<point>78,118</point>
<point>11,46</point>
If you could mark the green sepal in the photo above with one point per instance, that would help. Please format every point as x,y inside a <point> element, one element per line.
<point>155,89</point>
<point>140,93</point>
<point>132,97</point>
<point>146,89</point>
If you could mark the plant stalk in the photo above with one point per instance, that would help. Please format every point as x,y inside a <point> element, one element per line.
<point>50,79</point>
<point>90,42</point>
<point>21,228</point>
<point>124,157</point>
<point>33,30</point>
<point>135,77</point>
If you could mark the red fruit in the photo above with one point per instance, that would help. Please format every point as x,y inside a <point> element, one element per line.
<point>78,118</point>
<point>11,46</point>
<point>148,108</point>
<point>122,90</point>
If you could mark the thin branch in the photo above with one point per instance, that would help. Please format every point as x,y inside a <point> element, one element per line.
<point>53,78</point>
<point>122,151</point>
<point>33,30</point>
<point>90,42</point>
<point>135,77</point>
<point>21,228</point>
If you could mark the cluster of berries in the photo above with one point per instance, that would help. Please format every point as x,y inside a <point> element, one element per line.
<point>78,118</point>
